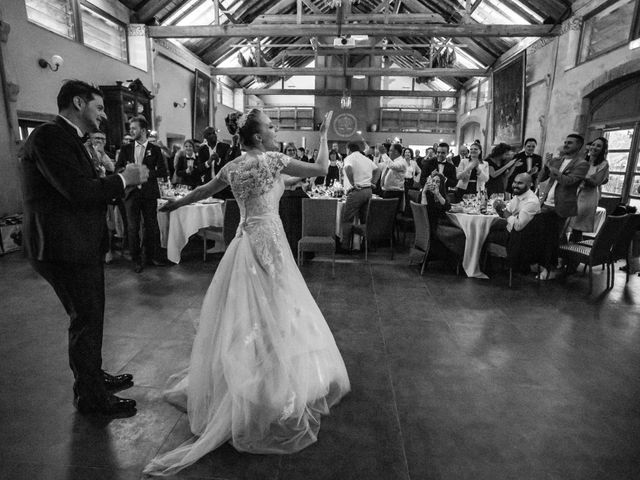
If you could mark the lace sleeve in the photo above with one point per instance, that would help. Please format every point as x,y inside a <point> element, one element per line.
<point>223,174</point>
<point>277,161</point>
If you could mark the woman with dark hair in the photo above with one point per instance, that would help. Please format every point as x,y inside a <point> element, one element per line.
<point>434,196</point>
<point>264,365</point>
<point>472,173</point>
<point>333,173</point>
<point>591,188</point>
<point>188,168</point>
<point>500,161</point>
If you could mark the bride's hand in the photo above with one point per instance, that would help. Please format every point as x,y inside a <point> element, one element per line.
<point>324,128</point>
<point>170,206</point>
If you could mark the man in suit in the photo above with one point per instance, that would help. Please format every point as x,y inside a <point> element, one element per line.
<point>441,164</point>
<point>560,201</point>
<point>526,162</point>
<point>141,201</point>
<point>212,154</point>
<point>464,153</point>
<point>65,235</point>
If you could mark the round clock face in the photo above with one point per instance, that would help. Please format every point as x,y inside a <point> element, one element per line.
<point>140,108</point>
<point>345,125</point>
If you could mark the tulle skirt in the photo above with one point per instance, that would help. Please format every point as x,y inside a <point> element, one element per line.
<point>264,365</point>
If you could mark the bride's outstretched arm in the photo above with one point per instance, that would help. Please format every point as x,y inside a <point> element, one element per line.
<point>296,168</point>
<point>200,193</point>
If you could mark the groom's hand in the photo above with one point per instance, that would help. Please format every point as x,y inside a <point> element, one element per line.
<point>135,174</point>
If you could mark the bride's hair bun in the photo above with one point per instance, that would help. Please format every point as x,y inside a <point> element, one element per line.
<point>248,126</point>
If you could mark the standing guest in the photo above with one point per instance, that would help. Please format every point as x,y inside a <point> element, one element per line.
<point>141,202</point>
<point>213,155</point>
<point>336,148</point>
<point>440,164</point>
<point>412,175</point>
<point>472,173</point>
<point>522,232</point>
<point>360,174</point>
<point>171,161</point>
<point>188,167</point>
<point>526,162</point>
<point>560,201</point>
<point>500,162</point>
<point>302,155</point>
<point>463,153</point>
<point>333,173</point>
<point>590,190</point>
<point>126,140</point>
<point>65,235</point>
<point>392,180</point>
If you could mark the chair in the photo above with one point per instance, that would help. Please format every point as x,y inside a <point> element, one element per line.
<point>609,203</point>
<point>422,241</point>
<point>318,229</point>
<point>404,220</point>
<point>227,232</point>
<point>622,244</point>
<point>600,252</point>
<point>380,222</point>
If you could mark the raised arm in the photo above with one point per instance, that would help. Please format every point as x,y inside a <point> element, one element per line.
<point>203,191</point>
<point>296,168</point>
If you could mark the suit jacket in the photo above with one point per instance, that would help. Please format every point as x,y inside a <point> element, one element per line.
<point>536,161</point>
<point>154,160</point>
<point>449,172</point>
<point>194,178</point>
<point>65,201</point>
<point>219,159</point>
<point>566,196</point>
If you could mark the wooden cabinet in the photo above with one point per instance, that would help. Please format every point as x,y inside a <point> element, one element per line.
<point>121,103</point>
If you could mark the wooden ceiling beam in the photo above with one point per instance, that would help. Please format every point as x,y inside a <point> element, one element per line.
<point>429,30</point>
<point>362,18</point>
<point>351,71</point>
<point>353,93</point>
<point>150,9</point>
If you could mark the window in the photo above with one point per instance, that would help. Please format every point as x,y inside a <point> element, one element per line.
<point>103,34</point>
<point>54,15</point>
<point>417,120</point>
<point>618,158</point>
<point>472,99</point>
<point>607,29</point>
<point>483,93</point>
<point>291,118</point>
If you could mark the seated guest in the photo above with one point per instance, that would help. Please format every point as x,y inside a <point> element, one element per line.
<point>435,198</point>
<point>500,162</point>
<point>188,167</point>
<point>522,232</point>
<point>472,173</point>
<point>440,164</point>
<point>526,162</point>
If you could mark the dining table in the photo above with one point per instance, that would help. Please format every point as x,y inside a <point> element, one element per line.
<point>476,228</point>
<point>177,226</point>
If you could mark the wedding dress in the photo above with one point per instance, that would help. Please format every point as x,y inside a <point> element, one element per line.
<point>264,365</point>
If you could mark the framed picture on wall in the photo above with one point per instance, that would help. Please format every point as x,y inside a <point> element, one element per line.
<point>201,103</point>
<point>508,102</point>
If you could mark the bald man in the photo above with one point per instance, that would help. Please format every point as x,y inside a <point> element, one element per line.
<point>522,232</point>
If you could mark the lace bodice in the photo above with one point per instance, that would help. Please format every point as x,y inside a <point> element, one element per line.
<point>257,186</point>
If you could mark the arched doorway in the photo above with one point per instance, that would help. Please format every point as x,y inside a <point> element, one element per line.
<point>470,132</point>
<point>614,112</point>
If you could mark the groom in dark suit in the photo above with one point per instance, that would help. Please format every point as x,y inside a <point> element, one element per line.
<point>65,235</point>
<point>142,201</point>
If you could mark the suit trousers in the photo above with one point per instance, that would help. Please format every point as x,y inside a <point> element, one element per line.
<point>551,225</point>
<point>80,288</point>
<point>146,209</point>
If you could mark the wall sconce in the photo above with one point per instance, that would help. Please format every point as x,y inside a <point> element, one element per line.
<point>56,61</point>
<point>180,104</point>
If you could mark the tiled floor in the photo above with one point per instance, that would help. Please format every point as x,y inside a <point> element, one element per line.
<point>452,378</point>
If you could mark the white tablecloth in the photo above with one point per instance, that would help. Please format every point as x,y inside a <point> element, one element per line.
<point>176,227</point>
<point>476,229</point>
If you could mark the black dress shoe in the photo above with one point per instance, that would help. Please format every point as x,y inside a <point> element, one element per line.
<point>158,263</point>
<point>117,382</point>
<point>138,268</point>
<point>112,405</point>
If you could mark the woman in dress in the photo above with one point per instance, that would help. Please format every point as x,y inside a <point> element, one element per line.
<point>264,365</point>
<point>590,190</point>
<point>472,173</point>
<point>500,162</point>
<point>188,167</point>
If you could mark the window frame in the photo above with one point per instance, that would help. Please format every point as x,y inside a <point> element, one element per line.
<point>634,30</point>
<point>73,38</point>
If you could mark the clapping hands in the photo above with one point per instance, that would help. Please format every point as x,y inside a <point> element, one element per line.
<point>135,174</point>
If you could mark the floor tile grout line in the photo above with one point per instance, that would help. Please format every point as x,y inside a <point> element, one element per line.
<point>389,376</point>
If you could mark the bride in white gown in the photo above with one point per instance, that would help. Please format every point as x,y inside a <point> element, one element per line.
<point>264,365</point>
